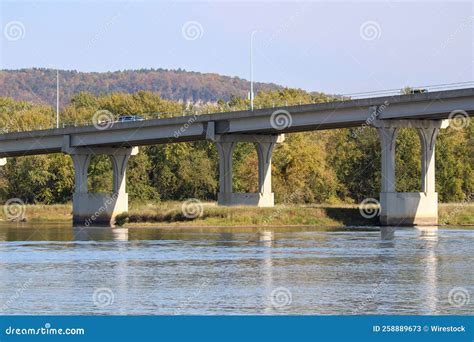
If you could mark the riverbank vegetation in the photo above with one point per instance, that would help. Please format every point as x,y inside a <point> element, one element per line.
<point>170,213</point>
<point>335,167</point>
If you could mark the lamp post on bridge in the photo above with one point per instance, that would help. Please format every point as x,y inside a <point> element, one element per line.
<point>57,98</point>
<point>251,68</point>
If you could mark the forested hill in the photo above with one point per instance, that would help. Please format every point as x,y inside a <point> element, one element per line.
<point>39,85</point>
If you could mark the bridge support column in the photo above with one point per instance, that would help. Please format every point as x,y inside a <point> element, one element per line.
<point>264,145</point>
<point>99,208</point>
<point>408,208</point>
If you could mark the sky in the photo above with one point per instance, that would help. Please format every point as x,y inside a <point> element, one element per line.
<point>334,47</point>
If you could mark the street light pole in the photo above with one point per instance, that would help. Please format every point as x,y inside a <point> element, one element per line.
<point>251,68</point>
<point>57,98</point>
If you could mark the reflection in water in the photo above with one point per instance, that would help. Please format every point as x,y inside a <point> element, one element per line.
<point>120,234</point>
<point>199,271</point>
<point>99,233</point>
<point>430,235</point>
<point>266,239</point>
<point>387,233</point>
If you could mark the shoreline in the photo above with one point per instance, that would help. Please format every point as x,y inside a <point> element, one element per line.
<point>211,216</point>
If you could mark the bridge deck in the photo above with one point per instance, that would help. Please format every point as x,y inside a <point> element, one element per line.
<point>340,114</point>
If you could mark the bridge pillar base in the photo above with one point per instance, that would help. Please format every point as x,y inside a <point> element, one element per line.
<point>246,199</point>
<point>98,209</point>
<point>264,145</point>
<point>408,208</point>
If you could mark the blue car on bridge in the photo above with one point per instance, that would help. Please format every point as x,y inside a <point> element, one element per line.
<point>130,118</point>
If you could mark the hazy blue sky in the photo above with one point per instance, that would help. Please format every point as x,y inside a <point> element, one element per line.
<point>341,47</point>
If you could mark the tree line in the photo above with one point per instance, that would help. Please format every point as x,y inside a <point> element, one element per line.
<point>333,166</point>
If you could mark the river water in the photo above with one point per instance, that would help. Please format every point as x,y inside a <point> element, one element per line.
<point>57,269</point>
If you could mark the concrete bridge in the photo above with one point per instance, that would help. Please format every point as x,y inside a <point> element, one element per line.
<point>425,112</point>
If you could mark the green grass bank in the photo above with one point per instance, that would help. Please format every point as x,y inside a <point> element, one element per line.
<point>209,214</point>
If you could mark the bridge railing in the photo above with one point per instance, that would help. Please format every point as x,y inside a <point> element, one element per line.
<point>206,109</point>
<point>409,90</point>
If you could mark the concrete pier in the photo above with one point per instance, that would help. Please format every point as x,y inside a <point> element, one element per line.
<point>92,209</point>
<point>264,145</point>
<point>409,208</point>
